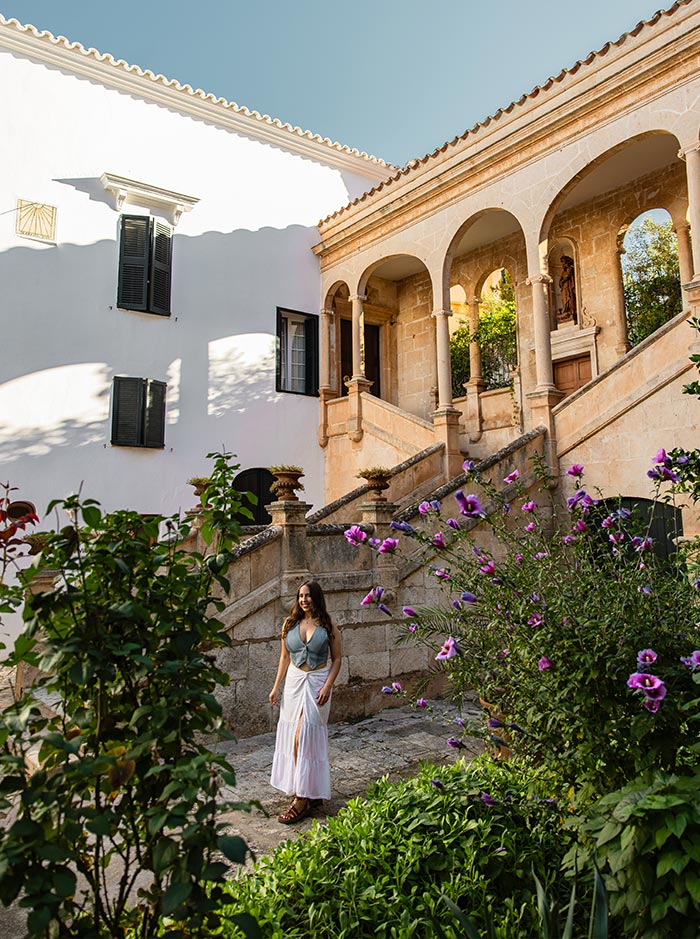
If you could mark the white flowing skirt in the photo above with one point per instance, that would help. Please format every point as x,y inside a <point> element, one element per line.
<point>310,775</point>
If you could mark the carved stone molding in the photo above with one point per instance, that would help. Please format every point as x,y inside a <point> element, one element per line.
<point>130,191</point>
<point>538,279</point>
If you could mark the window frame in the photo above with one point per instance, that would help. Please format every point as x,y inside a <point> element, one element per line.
<point>139,408</point>
<point>152,266</point>
<point>311,353</point>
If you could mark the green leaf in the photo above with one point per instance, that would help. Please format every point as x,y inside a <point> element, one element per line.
<point>64,882</point>
<point>233,848</point>
<point>92,516</point>
<point>248,925</point>
<point>175,896</point>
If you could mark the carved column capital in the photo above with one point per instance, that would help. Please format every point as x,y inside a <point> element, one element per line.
<point>358,296</point>
<point>328,311</point>
<point>436,313</point>
<point>693,148</point>
<point>538,279</point>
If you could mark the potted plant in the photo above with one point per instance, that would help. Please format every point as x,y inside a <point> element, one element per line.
<point>199,484</point>
<point>286,484</point>
<point>377,479</point>
<point>37,541</point>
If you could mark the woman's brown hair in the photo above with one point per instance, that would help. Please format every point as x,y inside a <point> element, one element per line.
<point>320,611</point>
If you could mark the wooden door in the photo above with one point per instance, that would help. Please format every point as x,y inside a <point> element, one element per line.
<point>572,373</point>
<point>372,356</point>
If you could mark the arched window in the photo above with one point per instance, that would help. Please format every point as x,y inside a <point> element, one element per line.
<point>650,274</point>
<point>257,481</point>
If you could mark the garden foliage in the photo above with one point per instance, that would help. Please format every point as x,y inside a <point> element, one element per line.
<point>116,775</point>
<point>651,278</point>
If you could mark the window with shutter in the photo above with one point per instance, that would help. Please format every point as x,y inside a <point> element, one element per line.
<point>297,352</point>
<point>145,265</point>
<point>138,413</point>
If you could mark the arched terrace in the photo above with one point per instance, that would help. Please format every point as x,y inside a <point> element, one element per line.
<point>486,253</point>
<point>582,242</point>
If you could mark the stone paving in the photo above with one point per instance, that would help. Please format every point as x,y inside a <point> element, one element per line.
<point>393,742</point>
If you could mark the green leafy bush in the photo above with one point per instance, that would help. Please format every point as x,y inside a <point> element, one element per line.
<point>651,278</point>
<point>473,833</point>
<point>118,775</point>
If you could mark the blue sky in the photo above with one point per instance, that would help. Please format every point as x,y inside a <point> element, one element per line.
<point>394,79</point>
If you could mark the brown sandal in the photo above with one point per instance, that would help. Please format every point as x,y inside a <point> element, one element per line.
<point>299,809</point>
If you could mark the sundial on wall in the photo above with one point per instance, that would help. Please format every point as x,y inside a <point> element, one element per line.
<point>36,220</point>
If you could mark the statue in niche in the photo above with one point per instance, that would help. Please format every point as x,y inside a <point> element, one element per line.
<point>567,288</point>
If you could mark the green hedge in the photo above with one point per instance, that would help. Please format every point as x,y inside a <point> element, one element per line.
<point>472,832</point>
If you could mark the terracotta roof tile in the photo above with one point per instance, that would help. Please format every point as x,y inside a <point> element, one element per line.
<point>545,86</point>
<point>109,60</point>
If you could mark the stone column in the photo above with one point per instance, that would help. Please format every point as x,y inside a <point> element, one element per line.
<point>476,383</point>
<point>444,365</point>
<point>358,335</point>
<point>543,347</point>
<point>545,396</point>
<point>291,518</point>
<point>446,416</point>
<point>622,342</point>
<point>685,253</point>
<point>691,155</point>
<point>327,387</point>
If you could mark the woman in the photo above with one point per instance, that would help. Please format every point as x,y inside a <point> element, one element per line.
<point>300,765</point>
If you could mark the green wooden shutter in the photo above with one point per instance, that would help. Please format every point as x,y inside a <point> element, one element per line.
<point>311,336</point>
<point>154,430</point>
<point>127,412</point>
<point>134,257</point>
<point>161,269</point>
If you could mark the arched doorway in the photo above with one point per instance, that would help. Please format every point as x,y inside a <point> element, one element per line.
<point>257,481</point>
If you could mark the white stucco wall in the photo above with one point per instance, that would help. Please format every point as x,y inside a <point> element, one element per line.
<point>241,252</point>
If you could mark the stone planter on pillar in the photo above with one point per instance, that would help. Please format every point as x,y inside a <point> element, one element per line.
<point>286,484</point>
<point>377,478</point>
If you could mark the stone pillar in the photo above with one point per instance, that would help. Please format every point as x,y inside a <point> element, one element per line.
<point>475,369</point>
<point>691,155</point>
<point>358,336</point>
<point>326,389</point>
<point>685,253</point>
<point>444,366</point>
<point>622,342</point>
<point>543,347</point>
<point>476,383</point>
<point>291,518</point>
<point>379,516</point>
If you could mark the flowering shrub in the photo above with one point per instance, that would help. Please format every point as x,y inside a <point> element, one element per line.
<point>575,630</point>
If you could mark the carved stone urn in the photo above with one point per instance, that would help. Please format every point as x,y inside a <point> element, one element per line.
<point>287,484</point>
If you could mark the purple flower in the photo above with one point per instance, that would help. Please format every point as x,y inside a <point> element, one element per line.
<point>616,537</point>
<point>409,611</point>
<point>580,525</point>
<point>653,705</point>
<point>468,597</point>
<point>664,474</point>
<point>449,650</point>
<point>469,505</point>
<point>384,609</point>
<point>488,568</point>
<point>493,723</point>
<point>355,535</point>
<point>519,558</point>
<point>435,504</point>
<point>374,542</point>
<point>545,663</point>
<point>424,508</point>
<point>468,466</point>
<point>506,508</point>
<point>487,799</point>
<point>574,500</point>
<point>660,456</point>
<point>568,539</point>
<point>421,703</point>
<point>540,555</point>
<point>396,685</point>
<point>402,526</point>
<point>388,546</point>
<point>682,460</point>
<point>646,589</point>
<point>437,783</point>
<point>511,477</point>
<point>455,743</point>
<point>646,657</point>
<point>459,720</point>
<point>608,522</point>
<point>528,506</point>
<point>457,604</point>
<point>657,693</point>
<point>644,681</point>
<point>367,600</point>
<point>412,627</point>
<point>453,523</point>
<point>575,470</point>
<point>387,689</point>
<point>441,573</point>
<point>535,620</point>
<point>530,526</point>
<point>438,540</point>
<point>692,661</point>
